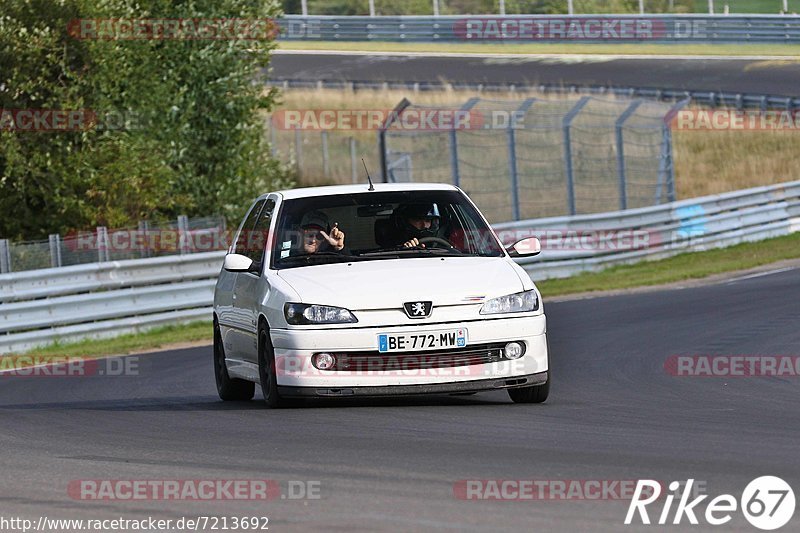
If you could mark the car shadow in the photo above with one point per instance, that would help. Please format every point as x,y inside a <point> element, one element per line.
<point>212,403</point>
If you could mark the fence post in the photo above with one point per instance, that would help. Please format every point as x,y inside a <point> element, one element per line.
<point>623,186</point>
<point>454,170</point>
<point>183,234</point>
<point>55,250</point>
<point>273,138</point>
<point>382,148</point>
<point>666,171</point>
<point>102,244</point>
<point>325,162</point>
<point>5,257</point>
<point>353,163</point>
<point>298,149</point>
<point>566,125</point>
<point>454,159</point>
<point>144,232</point>
<point>512,155</point>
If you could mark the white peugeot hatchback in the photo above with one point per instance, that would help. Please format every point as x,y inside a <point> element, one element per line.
<point>351,291</point>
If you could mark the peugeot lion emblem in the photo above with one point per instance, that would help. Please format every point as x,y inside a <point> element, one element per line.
<point>418,309</point>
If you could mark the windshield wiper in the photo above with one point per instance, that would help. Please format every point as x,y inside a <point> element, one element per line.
<point>415,251</point>
<point>307,258</point>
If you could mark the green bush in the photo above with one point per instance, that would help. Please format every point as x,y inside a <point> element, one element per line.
<point>193,142</point>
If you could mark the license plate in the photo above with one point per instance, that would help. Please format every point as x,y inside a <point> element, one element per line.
<point>428,340</point>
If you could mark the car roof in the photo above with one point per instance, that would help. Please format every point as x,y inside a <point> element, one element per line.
<point>307,192</point>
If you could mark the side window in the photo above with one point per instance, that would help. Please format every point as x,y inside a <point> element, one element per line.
<point>258,238</point>
<point>243,240</point>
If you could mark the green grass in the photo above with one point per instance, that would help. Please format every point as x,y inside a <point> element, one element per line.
<point>733,49</point>
<point>742,7</point>
<point>134,342</point>
<point>679,268</point>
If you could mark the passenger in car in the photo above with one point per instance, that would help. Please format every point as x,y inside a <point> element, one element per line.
<point>413,222</point>
<point>317,234</point>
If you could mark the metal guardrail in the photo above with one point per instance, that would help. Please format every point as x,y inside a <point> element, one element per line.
<point>593,242</point>
<point>545,28</point>
<point>105,299</point>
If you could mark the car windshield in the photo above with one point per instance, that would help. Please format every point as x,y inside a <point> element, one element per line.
<point>380,225</point>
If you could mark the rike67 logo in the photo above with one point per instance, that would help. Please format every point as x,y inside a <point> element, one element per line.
<point>767,503</point>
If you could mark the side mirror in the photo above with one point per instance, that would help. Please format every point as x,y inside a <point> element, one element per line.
<point>525,248</point>
<point>237,263</point>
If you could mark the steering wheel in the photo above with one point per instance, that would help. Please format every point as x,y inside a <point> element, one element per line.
<point>437,240</point>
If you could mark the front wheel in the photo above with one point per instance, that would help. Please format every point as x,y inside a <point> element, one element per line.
<point>534,394</point>
<point>228,388</point>
<point>266,371</point>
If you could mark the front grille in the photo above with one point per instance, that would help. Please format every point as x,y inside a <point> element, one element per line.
<point>385,362</point>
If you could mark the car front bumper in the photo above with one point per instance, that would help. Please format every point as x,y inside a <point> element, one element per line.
<point>430,388</point>
<point>296,375</point>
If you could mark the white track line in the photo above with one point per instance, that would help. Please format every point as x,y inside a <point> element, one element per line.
<point>586,57</point>
<point>760,274</point>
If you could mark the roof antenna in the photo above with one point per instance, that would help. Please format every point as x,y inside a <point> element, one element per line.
<point>371,187</point>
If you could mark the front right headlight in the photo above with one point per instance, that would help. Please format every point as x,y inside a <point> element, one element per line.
<point>519,302</point>
<point>301,314</point>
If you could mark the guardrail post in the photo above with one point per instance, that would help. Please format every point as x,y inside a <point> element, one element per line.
<point>5,257</point>
<point>512,154</point>
<point>353,163</point>
<point>102,244</point>
<point>183,234</point>
<point>325,162</point>
<point>55,250</point>
<point>623,186</point>
<point>566,125</point>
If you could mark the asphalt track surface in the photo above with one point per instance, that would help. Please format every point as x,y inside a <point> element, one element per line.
<point>754,76</point>
<point>613,414</point>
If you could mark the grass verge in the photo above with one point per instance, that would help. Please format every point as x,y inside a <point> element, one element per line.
<point>134,342</point>
<point>734,49</point>
<point>683,267</point>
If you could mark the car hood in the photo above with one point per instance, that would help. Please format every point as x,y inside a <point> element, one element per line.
<point>387,284</point>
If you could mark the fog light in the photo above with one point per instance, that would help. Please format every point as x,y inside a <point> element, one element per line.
<point>323,361</point>
<point>513,350</point>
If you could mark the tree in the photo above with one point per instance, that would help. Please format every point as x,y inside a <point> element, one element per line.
<point>178,128</point>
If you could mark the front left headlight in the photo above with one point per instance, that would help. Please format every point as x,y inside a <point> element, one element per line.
<point>519,302</point>
<point>301,314</point>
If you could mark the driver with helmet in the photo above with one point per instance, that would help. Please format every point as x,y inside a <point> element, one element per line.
<point>413,222</point>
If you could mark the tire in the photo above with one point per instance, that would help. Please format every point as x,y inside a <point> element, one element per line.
<point>228,388</point>
<point>266,371</point>
<point>534,394</point>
